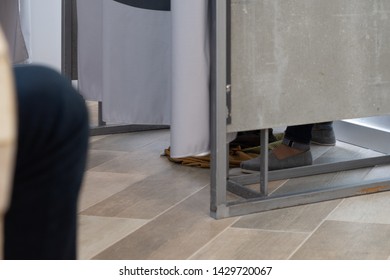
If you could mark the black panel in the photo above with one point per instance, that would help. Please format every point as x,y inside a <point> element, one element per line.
<point>159,5</point>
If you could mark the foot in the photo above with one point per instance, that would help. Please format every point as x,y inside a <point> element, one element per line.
<point>280,158</point>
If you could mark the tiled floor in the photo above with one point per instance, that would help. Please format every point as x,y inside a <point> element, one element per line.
<point>136,204</point>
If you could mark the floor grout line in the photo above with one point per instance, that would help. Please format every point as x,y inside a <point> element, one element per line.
<point>359,222</point>
<point>311,234</point>
<point>215,237</point>
<point>269,230</point>
<point>111,194</point>
<point>114,242</point>
<point>155,217</point>
<point>179,202</point>
<point>281,185</point>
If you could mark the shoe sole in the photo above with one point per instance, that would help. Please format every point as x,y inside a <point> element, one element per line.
<point>323,144</point>
<point>247,171</point>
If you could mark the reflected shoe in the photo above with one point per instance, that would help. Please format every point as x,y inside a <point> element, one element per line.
<point>323,134</point>
<point>301,159</point>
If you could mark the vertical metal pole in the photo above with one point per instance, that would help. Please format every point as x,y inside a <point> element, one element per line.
<point>218,109</point>
<point>69,39</point>
<point>264,161</point>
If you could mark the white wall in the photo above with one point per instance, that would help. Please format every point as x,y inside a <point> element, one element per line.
<point>46,32</point>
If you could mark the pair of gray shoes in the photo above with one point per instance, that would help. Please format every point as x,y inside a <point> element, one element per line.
<point>322,134</point>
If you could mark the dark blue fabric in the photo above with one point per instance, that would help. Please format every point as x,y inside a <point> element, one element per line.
<point>51,156</point>
<point>159,5</point>
<point>299,133</point>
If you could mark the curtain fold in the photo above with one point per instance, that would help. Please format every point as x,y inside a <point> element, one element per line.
<point>190,78</point>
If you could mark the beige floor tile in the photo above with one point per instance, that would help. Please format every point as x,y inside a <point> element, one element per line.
<point>98,233</point>
<point>98,186</point>
<point>96,138</point>
<point>323,181</point>
<point>294,219</point>
<point>176,234</point>
<point>146,159</point>
<point>132,141</point>
<point>129,184</point>
<point>335,240</point>
<point>97,157</point>
<point>373,208</point>
<point>153,195</point>
<point>245,244</point>
<point>143,161</point>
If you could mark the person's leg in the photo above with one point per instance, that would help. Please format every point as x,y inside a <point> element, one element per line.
<point>51,157</point>
<point>323,134</point>
<point>295,148</point>
<point>299,133</point>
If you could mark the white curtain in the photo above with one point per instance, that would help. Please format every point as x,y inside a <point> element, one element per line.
<point>190,78</point>
<point>136,65</point>
<point>148,67</point>
<point>90,48</point>
<point>124,61</point>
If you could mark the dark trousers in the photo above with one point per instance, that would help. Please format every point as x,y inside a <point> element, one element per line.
<point>51,158</point>
<point>299,133</point>
<point>302,133</point>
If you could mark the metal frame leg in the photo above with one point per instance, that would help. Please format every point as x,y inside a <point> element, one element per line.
<point>218,109</point>
<point>264,162</point>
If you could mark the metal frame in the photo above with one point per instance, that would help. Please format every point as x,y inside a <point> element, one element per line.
<point>252,201</point>
<point>69,69</point>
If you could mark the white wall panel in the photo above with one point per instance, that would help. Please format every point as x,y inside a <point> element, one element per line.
<point>46,32</point>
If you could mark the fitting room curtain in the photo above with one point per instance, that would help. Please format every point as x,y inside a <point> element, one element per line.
<point>148,65</point>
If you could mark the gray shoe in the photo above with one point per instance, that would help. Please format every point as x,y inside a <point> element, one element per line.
<point>323,134</point>
<point>302,159</point>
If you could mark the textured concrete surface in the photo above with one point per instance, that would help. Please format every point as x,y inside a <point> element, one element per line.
<point>302,61</point>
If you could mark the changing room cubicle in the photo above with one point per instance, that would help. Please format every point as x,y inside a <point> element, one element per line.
<point>288,62</point>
